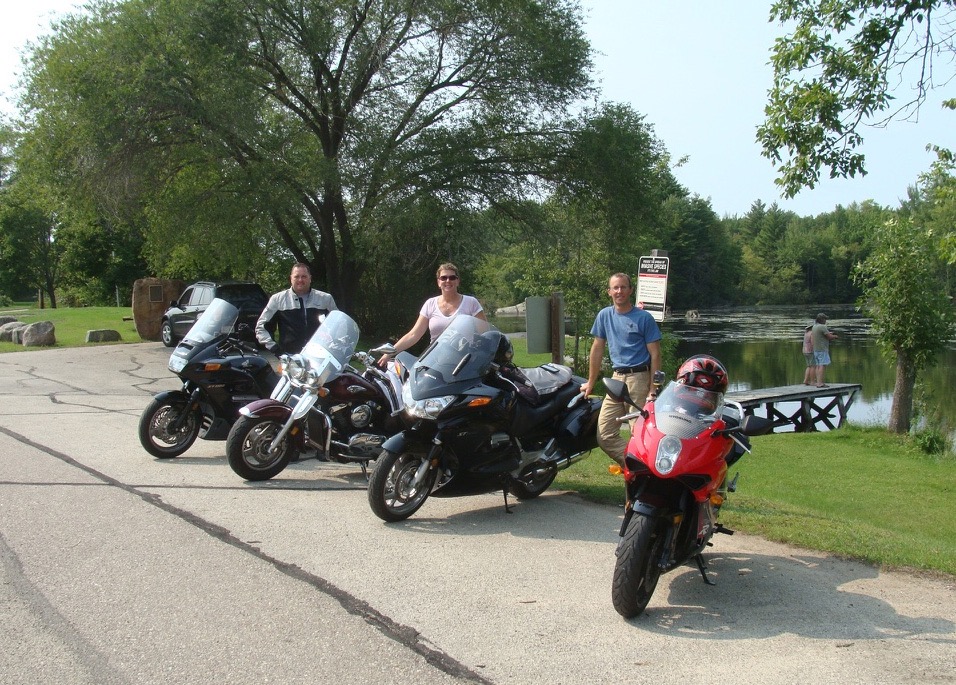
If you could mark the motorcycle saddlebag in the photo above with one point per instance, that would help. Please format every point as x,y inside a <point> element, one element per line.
<point>581,421</point>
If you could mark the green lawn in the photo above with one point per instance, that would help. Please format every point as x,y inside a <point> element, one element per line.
<point>860,493</point>
<point>71,324</point>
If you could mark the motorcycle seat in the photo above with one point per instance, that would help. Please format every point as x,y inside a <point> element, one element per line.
<point>547,378</point>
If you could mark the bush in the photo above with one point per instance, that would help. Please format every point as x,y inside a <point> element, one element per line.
<point>930,441</point>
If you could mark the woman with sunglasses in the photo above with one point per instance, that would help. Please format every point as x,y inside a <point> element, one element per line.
<point>437,312</point>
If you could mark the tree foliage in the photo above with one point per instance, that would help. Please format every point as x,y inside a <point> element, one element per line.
<point>837,70</point>
<point>905,294</point>
<point>304,127</point>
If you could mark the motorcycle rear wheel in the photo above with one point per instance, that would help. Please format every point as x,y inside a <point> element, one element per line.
<point>247,448</point>
<point>390,493</point>
<point>636,571</point>
<point>532,486</point>
<point>154,432</point>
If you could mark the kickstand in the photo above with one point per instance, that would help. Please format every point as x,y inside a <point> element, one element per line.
<point>702,565</point>
<point>507,508</point>
<point>364,466</point>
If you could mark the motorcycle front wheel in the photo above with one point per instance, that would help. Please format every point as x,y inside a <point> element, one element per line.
<point>247,448</point>
<point>636,571</point>
<point>156,432</point>
<point>391,493</point>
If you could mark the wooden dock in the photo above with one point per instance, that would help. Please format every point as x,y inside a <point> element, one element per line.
<point>816,405</point>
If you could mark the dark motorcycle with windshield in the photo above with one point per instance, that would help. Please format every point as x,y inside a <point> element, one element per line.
<point>479,424</point>
<point>220,373</point>
<point>322,403</point>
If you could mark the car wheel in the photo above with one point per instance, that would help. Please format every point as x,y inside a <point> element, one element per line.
<point>166,332</point>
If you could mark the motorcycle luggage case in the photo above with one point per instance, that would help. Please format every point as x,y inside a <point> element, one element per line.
<point>581,421</point>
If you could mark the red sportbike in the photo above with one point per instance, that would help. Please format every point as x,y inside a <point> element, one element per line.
<point>675,471</point>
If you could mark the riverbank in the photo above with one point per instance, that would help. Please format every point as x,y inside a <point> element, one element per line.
<point>860,493</point>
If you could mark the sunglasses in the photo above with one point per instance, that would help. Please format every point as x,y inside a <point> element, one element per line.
<point>453,277</point>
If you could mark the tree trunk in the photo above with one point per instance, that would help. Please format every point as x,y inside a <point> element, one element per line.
<point>901,412</point>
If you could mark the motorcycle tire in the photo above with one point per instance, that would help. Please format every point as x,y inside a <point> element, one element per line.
<point>389,488</point>
<point>154,433</point>
<point>530,486</point>
<point>247,448</point>
<point>636,570</point>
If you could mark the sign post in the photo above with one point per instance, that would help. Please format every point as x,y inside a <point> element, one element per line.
<point>652,283</point>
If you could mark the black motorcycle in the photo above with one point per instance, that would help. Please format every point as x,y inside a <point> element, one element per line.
<point>479,424</point>
<point>220,374</point>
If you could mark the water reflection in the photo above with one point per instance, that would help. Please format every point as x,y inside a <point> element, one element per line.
<point>761,347</point>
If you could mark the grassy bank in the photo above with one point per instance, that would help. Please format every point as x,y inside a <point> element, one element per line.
<point>71,324</point>
<point>858,493</point>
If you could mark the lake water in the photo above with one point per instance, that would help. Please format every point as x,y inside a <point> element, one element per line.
<point>762,347</point>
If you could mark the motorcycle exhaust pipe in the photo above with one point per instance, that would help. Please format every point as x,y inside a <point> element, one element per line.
<point>556,457</point>
<point>563,461</point>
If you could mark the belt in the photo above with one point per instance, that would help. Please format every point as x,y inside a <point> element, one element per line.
<point>631,369</point>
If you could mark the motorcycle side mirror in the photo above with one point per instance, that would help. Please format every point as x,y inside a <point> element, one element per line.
<point>659,378</point>
<point>617,391</point>
<point>387,348</point>
<point>756,425</point>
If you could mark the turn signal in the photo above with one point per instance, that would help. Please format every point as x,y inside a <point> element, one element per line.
<point>323,391</point>
<point>479,402</point>
<point>212,367</point>
<point>716,499</point>
<point>615,470</point>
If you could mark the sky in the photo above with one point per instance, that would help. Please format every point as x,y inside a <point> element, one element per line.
<point>698,70</point>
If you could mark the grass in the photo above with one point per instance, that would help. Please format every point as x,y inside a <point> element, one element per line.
<point>859,493</point>
<point>71,324</point>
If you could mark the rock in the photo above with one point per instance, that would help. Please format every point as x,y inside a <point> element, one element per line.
<point>6,318</point>
<point>39,334</point>
<point>511,310</point>
<point>102,335</point>
<point>7,330</point>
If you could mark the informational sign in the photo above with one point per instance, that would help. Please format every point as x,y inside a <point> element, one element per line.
<point>652,285</point>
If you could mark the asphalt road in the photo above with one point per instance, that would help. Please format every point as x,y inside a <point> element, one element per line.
<point>119,568</point>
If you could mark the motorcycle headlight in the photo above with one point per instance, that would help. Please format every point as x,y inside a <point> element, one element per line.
<point>297,367</point>
<point>667,452</point>
<point>425,409</point>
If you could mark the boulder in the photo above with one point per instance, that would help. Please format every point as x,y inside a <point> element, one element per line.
<point>7,330</point>
<point>511,310</point>
<point>6,318</point>
<point>102,335</point>
<point>39,334</point>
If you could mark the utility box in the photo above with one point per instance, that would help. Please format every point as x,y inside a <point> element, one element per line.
<point>544,318</point>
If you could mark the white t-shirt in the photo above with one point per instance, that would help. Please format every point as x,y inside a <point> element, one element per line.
<point>438,322</point>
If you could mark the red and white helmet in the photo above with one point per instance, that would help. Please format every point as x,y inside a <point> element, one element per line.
<point>703,371</point>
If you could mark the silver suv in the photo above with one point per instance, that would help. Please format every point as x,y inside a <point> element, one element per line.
<point>250,298</point>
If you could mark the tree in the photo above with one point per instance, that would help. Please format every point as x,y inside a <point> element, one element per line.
<point>306,127</point>
<point>836,71</point>
<point>912,314</point>
<point>29,255</point>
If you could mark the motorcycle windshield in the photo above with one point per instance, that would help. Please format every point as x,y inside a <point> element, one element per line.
<point>218,319</point>
<point>463,352</point>
<point>685,411</point>
<point>331,346</point>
